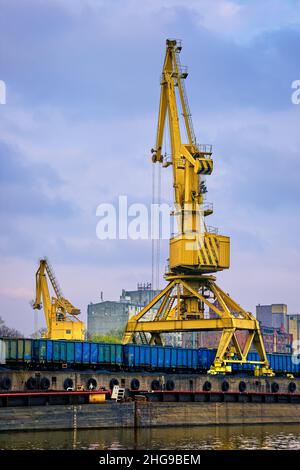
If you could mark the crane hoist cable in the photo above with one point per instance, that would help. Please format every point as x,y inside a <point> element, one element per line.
<point>158,227</point>
<point>155,226</point>
<point>152,226</point>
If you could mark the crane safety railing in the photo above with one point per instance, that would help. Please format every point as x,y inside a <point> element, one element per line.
<point>208,207</point>
<point>212,230</point>
<point>206,149</point>
<point>181,73</point>
<point>176,42</point>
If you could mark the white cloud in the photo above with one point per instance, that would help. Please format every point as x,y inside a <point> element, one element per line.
<point>16,293</point>
<point>233,18</point>
<point>96,168</point>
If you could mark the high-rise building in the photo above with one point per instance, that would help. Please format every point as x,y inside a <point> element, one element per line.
<point>294,326</point>
<point>277,327</point>
<point>106,317</point>
<point>110,317</point>
<point>273,316</point>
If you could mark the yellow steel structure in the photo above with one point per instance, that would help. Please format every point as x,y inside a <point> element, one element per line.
<point>60,314</point>
<point>192,301</point>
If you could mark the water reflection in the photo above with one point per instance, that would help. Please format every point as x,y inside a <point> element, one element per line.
<point>208,437</point>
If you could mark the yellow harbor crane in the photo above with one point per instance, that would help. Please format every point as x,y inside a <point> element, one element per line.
<point>192,301</point>
<point>60,314</point>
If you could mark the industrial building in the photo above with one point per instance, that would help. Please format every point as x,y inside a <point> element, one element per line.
<point>279,330</point>
<point>278,327</point>
<point>294,326</point>
<point>111,316</point>
<point>273,316</point>
<point>275,340</point>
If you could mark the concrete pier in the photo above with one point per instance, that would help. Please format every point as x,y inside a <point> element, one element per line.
<point>145,414</point>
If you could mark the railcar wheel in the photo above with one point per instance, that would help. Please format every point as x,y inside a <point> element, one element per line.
<point>44,383</point>
<point>135,384</point>
<point>68,383</point>
<point>275,387</point>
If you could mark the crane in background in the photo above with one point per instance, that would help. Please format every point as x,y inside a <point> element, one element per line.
<point>60,315</point>
<point>192,301</point>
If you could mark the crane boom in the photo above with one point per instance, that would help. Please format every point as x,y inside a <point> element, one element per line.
<point>60,314</point>
<point>192,301</point>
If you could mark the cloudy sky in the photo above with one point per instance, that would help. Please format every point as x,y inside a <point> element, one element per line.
<point>82,80</point>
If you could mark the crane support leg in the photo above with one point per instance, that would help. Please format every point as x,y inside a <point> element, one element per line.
<point>196,303</point>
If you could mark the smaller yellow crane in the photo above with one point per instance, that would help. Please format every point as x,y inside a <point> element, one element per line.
<point>60,314</point>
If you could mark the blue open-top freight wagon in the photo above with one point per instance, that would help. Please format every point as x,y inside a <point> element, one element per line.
<point>129,357</point>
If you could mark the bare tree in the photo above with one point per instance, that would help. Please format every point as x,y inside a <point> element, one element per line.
<point>39,334</point>
<point>6,332</point>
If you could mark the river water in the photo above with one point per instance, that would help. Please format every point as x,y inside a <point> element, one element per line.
<point>184,438</point>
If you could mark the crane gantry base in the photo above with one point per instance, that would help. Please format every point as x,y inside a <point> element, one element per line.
<point>195,303</point>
